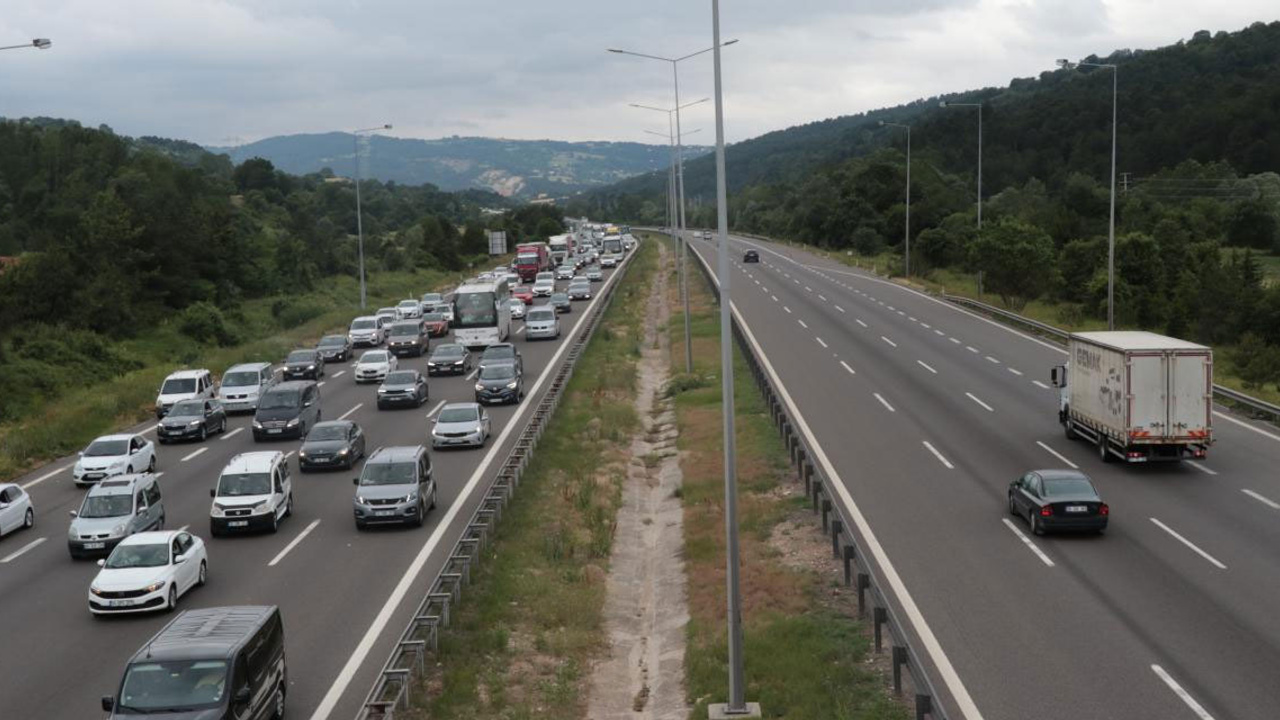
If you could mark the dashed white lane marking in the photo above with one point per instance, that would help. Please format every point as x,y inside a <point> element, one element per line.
<point>1039,384</point>
<point>820,342</point>
<point>901,313</point>
<point>954,340</point>
<point>891,307</point>
<point>436,409</point>
<point>195,454</point>
<point>984,405</point>
<point>1202,468</point>
<point>926,326</point>
<point>839,308</point>
<point>1058,455</point>
<point>344,415</point>
<point>993,360</point>
<point>802,324</point>
<point>520,330</point>
<point>775,298</point>
<point>884,402</point>
<point>845,365</point>
<point>1262,499</point>
<point>821,297</point>
<point>147,430</point>
<point>938,455</point>
<point>340,373</point>
<point>925,365</point>
<point>231,433</point>
<point>784,307</point>
<point>301,536</point>
<point>1015,371</point>
<point>939,332</point>
<point>288,455</point>
<point>1182,694</point>
<point>971,348</point>
<point>22,551</point>
<point>859,321</point>
<point>1216,563</point>
<point>891,343</point>
<point>1027,541</point>
<point>473,374</point>
<point>807,288</point>
<point>46,476</point>
<point>183,528</point>
<point>911,318</point>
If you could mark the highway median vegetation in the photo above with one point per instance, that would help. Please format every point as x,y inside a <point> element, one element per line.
<point>521,642</point>
<point>807,656</point>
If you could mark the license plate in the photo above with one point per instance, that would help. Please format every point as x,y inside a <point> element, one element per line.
<point>119,603</point>
<point>273,431</point>
<point>94,546</point>
<point>1077,508</point>
<point>238,523</point>
<point>385,513</point>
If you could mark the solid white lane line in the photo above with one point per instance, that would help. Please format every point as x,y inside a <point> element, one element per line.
<point>1189,544</point>
<point>344,415</point>
<point>1202,468</point>
<point>197,453</point>
<point>1245,425</point>
<point>1027,541</point>
<point>436,409</point>
<point>1058,455</point>
<point>884,402</point>
<point>991,359</point>
<point>859,321</point>
<point>971,348</point>
<point>954,340</point>
<point>984,405</point>
<point>938,455</point>
<point>820,342</point>
<point>891,343</point>
<point>840,308</point>
<point>925,365</point>
<point>46,476</point>
<point>845,365</point>
<point>1039,384</point>
<point>1014,371</point>
<point>231,433</point>
<point>802,324</point>
<point>340,373</point>
<point>301,536</point>
<point>1262,499</point>
<point>22,550</point>
<point>1182,694</point>
<point>784,307</point>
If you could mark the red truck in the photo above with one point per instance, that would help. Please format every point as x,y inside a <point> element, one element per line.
<point>531,259</point>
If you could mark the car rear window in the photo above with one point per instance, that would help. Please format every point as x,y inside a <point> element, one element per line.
<point>1061,487</point>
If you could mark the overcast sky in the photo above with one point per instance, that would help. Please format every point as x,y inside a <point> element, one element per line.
<point>230,71</point>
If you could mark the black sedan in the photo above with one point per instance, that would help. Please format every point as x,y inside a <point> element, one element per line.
<point>751,256</point>
<point>1058,500</point>
<point>402,388</point>
<point>304,365</point>
<point>501,353</point>
<point>335,348</point>
<point>192,420</point>
<point>500,383</point>
<point>331,444</point>
<point>560,301</point>
<point>449,359</point>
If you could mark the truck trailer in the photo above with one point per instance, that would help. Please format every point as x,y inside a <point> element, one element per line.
<point>1137,396</point>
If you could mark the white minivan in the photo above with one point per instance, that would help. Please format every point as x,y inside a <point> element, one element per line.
<point>243,384</point>
<point>185,385</point>
<point>254,492</point>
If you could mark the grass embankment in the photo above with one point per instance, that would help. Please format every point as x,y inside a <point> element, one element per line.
<point>520,644</point>
<point>76,412</point>
<point>805,651</point>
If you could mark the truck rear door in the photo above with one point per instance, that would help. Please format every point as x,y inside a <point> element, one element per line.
<point>1190,391</point>
<point>1148,396</point>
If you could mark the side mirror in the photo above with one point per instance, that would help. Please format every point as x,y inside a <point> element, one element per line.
<point>108,703</point>
<point>80,454</point>
<point>355,481</point>
<point>102,562</point>
<point>141,509</point>
<point>242,696</point>
<point>213,493</point>
<point>75,513</point>
<point>179,559</point>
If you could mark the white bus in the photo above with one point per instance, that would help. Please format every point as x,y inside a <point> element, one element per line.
<point>482,313</point>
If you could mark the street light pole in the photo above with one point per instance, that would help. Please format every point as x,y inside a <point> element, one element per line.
<point>671,171</point>
<point>1111,229</point>
<point>906,238</point>
<point>355,135</point>
<point>38,43</point>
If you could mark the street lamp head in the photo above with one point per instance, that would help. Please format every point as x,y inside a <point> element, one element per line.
<point>615,50</point>
<point>944,103</point>
<point>880,123</point>
<point>728,43</point>
<point>42,43</point>
<point>1066,64</point>
<point>387,126</point>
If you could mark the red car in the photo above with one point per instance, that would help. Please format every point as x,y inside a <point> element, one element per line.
<point>437,324</point>
<point>523,294</point>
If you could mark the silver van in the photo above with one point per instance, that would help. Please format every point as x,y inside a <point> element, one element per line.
<point>243,384</point>
<point>113,510</point>
<point>395,487</point>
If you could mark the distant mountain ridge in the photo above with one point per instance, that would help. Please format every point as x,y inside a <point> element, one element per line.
<point>514,168</point>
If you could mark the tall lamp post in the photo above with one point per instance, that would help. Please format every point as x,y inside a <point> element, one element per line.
<point>737,706</point>
<point>684,285</point>
<point>671,175</point>
<point>38,43</point>
<point>906,238</point>
<point>1111,231</point>
<point>355,135</point>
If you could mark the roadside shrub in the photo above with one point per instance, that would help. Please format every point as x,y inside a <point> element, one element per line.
<point>683,383</point>
<point>290,312</point>
<point>204,323</point>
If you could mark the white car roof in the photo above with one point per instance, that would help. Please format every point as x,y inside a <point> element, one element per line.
<point>117,436</point>
<point>371,354</point>
<point>151,537</point>
<point>258,461</point>
<point>181,374</point>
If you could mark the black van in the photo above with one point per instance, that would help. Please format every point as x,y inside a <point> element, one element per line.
<point>288,409</point>
<point>222,663</point>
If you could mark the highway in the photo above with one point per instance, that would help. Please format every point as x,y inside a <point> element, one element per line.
<point>927,412</point>
<point>345,596</point>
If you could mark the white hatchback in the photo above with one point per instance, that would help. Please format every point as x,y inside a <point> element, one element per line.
<point>544,288</point>
<point>148,571</point>
<point>15,509</point>
<point>374,365</point>
<point>112,455</point>
<point>541,322</point>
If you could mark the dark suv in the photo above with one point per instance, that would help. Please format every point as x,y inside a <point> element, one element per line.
<point>287,410</point>
<point>408,337</point>
<point>751,256</point>
<point>304,364</point>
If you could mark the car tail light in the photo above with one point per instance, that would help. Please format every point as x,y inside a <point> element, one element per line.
<point>1103,509</point>
<point>1046,511</point>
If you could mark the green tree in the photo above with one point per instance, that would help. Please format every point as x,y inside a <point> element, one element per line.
<point>1016,259</point>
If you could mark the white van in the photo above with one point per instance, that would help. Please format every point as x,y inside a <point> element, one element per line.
<point>243,384</point>
<point>254,492</point>
<point>184,385</point>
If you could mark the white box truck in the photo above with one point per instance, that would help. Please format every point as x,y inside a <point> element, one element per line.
<point>1137,396</point>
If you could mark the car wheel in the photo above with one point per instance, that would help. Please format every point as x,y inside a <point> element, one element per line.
<point>203,577</point>
<point>275,523</point>
<point>222,427</point>
<point>173,598</point>
<point>1013,509</point>
<point>1068,429</point>
<point>288,506</point>
<point>1034,521</point>
<point>421,515</point>
<point>204,433</point>
<point>360,525</point>
<point>151,466</point>
<point>1103,454</point>
<point>278,714</point>
<point>433,497</point>
<point>29,520</point>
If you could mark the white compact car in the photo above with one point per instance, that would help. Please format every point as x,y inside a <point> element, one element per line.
<point>541,322</point>
<point>112,455</point>
<point>148,571</point>
<point>409,309</point>
<point>544,288</point>
<point>16,510</point>
<point>374,365</point>
<point>566,271</point>
<point>517,308</point>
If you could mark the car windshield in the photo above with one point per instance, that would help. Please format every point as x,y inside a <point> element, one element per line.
<point>278,400</point>
<point>526,258</point>
<point>499,352</point>
<point>459,414</point>
<point>545,276</point>
<point>410,304</point>
<point>136,556</point>
<point>433,317</point>
<point>333,341</point>
<point>173,686</point>
<point>559,297</point>
<point>188,408</point>
<point>1062,487</point>
<point>373,357</point>
<point>240,379</point>
<point>432,298</point>
<point>107,448</point>
<point>394,473</point>
<point>501,371</point>
<point>402,330</point>
<point>364,324</point>
<point>539,314</point>
<point>300,356</point>
<point>476,309</point>
<point>176,386</point>
<point>105,506</point>
<point>403,377</point>
<point>448,351</point>
<point>324,433</point>
<point>238,484</point>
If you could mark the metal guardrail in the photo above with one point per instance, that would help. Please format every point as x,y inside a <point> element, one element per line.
<point>1234,398</point>
<point>408,659</point>
<point>859,570</point>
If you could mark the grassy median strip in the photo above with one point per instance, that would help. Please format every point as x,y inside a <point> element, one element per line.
<point>269,328</point>
<point>806,654</point>
<point>521,641</point>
